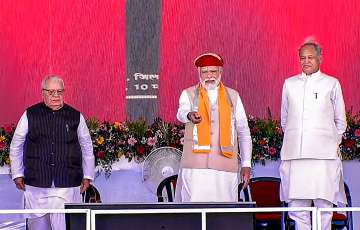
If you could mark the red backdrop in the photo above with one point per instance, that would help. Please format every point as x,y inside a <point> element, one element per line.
<point>258,41</point>
<point>82,41</point>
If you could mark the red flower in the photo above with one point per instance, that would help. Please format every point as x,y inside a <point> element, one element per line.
<point>357,132</point>
<point>349,143</point>
<point>2,145</point>
<point>140,149</point>
<point>262,142</point>
<point>272,151</point>
<point>7,129</point>
<point>101,155</point>
<point>254,130</point>
<point>149,133</point>
<point>277,130</point>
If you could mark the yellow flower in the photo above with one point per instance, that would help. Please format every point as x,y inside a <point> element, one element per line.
<point>7,160</point>
<point>117,125</point>
<point>100,140</point>
<point>2,138</point>
<point>119,154</point>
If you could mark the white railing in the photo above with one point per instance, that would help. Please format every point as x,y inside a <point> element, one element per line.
<point>90,214</point>
<point>43,211</point>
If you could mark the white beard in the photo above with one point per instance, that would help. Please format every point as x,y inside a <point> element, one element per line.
<point>210,86</point>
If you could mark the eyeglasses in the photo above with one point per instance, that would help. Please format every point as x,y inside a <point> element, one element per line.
<point>53,92</point>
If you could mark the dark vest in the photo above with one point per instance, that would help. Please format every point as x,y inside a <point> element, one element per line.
<point>52,151</point>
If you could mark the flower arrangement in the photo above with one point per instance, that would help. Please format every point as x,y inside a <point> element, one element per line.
<point>266,138</point>
<point>6,133</point>
<point>134,140</point>
<point>350,145</point>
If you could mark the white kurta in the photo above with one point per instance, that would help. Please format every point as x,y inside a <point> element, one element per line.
<point>305,174</point>
<point>209,185</point>
<point>49,198</point>
<point>312,179</point>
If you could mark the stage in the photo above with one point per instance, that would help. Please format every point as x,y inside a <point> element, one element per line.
<point>125,186</point>
<point>174,216</point>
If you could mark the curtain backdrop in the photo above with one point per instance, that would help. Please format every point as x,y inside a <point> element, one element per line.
<point>84,41</point>
<point>258,41</point>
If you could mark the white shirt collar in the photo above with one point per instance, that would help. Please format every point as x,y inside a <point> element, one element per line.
<point>314,75</point>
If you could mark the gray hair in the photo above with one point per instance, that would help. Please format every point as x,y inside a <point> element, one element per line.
<point>313,44</point>
<point>51,77</point>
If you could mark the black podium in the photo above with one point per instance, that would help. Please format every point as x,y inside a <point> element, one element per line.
<point>215,217</point>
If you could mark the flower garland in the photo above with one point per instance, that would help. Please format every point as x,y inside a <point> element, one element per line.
<point>134,140</point>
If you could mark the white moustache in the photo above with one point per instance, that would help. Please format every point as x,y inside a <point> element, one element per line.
<point>210,79</point>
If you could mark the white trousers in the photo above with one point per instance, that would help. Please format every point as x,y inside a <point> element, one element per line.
<point>303,219</point>
<point>53,221</point>
<point>49,198</point>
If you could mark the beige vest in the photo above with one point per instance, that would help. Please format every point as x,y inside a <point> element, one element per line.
<point>214,159</point>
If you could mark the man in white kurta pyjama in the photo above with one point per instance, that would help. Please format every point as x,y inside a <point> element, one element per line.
<point>313,120</point>
<point>51,156</point>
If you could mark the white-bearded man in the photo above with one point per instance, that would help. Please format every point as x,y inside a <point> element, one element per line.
<point>215,127</point>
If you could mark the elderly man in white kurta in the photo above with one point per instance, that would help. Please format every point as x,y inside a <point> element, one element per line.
<point>51,156</point>
<point>215,123</point>
<point>313,120</point>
